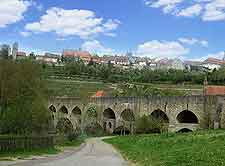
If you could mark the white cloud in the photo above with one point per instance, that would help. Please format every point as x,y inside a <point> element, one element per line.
<point>191,11</point>
<point>192,41</point>
<point>95,46</point>
<point>25,34</point>
<point>82,23</point>
<point>207,10</point>
<point>166,5</point>
<point>214,11</point>
<point>11,11</point>
<point>162,49</point>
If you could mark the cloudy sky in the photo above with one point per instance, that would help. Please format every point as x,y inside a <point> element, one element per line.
<point>188,29</point>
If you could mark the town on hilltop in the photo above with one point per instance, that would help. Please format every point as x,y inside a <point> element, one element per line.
<point>125,61</point>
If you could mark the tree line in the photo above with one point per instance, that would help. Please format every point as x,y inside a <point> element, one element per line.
<point>110,73</point>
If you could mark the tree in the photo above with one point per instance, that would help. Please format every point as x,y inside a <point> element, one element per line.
<point>22,98</point>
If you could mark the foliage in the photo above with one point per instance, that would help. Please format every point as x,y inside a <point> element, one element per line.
<point>22,98</point>
<point>144,90</point>
<point>92,112</point>
<point>147,124</point>
<point>65,127</point>
<point>110,73</point>
<point>94,129</point>
<point>199,148</point>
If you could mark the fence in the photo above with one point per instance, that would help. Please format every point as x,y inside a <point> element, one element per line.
<point>12,143</point>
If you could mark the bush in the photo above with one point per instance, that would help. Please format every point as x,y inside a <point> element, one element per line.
<point>94,129</point>
<point>147,124</point>
<point>73,135</point>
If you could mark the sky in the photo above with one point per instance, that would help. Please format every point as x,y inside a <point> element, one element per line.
<point>185,29</point>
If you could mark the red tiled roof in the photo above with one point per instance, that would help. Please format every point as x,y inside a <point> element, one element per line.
<point>215,90</point>
<point>81,54</point>
<point>99,94</point>
<point>214,61</point>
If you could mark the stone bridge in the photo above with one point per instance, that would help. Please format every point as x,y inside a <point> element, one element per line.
<point>116,113</point>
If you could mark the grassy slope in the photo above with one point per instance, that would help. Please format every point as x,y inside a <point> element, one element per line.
<point>76,88</point>
<point>195,149</point>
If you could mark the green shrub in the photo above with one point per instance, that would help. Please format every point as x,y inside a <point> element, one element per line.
<point>147,124</point>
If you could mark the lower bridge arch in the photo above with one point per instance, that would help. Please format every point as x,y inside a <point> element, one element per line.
<point>184,130</point>
<point>121,130</point>
<point>109,120</point>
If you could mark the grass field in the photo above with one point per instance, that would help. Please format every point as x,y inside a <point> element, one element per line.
<point>205,148</point>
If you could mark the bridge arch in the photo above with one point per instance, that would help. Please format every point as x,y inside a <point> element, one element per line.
<point>160,116</point>
<point>63,110</point>
<point>76,111</point>
<point>184,130</point>
<point>128,115</point>
<point>109,114</point>
<point>52,108</point>
<point>187,116</point>
<point>109,120</point>
<point>121,130</point>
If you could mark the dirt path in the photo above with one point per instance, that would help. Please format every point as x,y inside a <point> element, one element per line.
<point>94,153</point>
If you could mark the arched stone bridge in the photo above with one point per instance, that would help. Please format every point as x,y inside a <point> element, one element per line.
<point>114,113</point>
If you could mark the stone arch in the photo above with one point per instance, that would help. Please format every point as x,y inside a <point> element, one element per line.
<point>187,116</point>
<point>121,130</point>
<point>76,117</point>
<point>63,110</point>
<point>184,130</point>
<point>64,125</point>
<point>128,115</point>
<point>52,108</point>
<point>109,114</point>
<point>109,120</point>
<point>76,111</point>
<point>159,115</point>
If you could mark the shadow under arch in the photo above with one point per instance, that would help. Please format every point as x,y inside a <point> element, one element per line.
<point>63,110</point>
<point>76,111</point>
<point>109,114</point>
<point>184,130</point>
<point>52,108</point>
<point>187,116</point>
<point>121,130</point>
<point>160,116</point>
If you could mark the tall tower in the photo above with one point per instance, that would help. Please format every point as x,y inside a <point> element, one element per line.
<point>15,50</point>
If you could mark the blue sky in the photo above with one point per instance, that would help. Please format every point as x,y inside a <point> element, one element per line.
<point>188,29</point>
